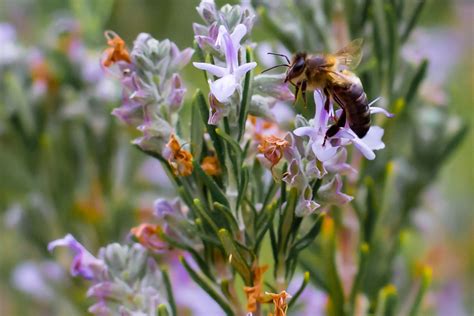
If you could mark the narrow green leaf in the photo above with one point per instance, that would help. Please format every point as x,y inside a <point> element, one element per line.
<point>232,142</point>
<point>205,216</point>
<point>392,47</point>
<point>386,301</point>
<point>416,81</point>
<point>197,130</point>
<point>361,271</point>
<point>412,21</point>
<point>299,291</point>
<point>207,286</point>
<point>286,220</point>
<point>163,310</point>
<point>203,265</point>
<point>235,256</point>
<point>246,95</point>
<point>169,291</point>
<point>225,211</point>
<point>200,55</point>
<point>309,237</point>
<point>214,189</point>
<point>425,281</point>
<point>211,129</point>
<point>244,181</point>
<point>265,222</point>
<point>370,217</point>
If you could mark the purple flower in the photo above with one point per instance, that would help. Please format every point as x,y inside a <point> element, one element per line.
<point>345,136</point>
<point>306,205</point>
<point>84,263</point>
<point>330,192</point>
<point>230,76</point>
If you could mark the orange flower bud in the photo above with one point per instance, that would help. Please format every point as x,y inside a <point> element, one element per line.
<point>272,148</point>
<point>210,165</point>
<point>117,50</point>
<point>181,160</point>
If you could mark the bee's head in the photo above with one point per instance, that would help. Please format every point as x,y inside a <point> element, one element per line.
<point>297,67</point>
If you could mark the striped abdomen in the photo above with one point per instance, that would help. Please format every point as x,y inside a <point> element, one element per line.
<point>352,98</point>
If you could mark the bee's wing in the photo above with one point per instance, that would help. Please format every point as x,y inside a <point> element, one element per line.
<point>351,55</point>
<point>339,78</point>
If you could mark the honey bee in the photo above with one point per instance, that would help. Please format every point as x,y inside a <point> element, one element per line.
<point>330,74</point>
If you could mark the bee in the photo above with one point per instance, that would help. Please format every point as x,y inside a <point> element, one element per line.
<point>330,73</point>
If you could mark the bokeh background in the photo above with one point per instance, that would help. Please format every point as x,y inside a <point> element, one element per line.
<point>66,164</point>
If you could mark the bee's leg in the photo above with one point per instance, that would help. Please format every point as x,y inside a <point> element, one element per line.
<point>333,129</point>
<point>303,91</point>
<point>328,99</point>
<point>297,90</point>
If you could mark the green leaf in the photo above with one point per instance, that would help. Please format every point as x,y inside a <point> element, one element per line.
<point>201,58</point>
<point>244,181</point>
<point>197,131</point>
<point>370,217</point>
<point>214,189</point>
<point>424,283</point>
<point>412,21</point>
<point>265,222</point>
<point>230,219</point>
<point>205,215</point>
<point>207,286</point>
<point>169,291</point>
<point>235,256</point>
<point>246,95</point>
<point>309,237</point>
<point>163,310</point>
<point>416,81</point>
<point>211,129</point>
<point>232,142</point>
<point>300,290</point>
<point>286,220</point>
<point>386,301</point>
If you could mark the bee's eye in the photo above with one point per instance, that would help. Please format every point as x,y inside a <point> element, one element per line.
<point>299,65</point>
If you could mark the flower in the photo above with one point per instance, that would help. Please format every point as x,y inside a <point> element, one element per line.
<point>84,263</point>
<point>210,165</point>
<point>148,236</point>
<point>117,50</point>
<point>231,75</point>
<point>325,150</point>
<point>272,148</point>
<point>254,293</point>
<point>330,192</point>
<point>279,301</point>
<point>228,16</point>
<point>180,160</point>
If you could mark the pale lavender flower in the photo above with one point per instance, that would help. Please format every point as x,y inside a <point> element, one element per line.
<point>37,278</point>
<point>10,51</point>
<point>306,205</point>
<point>228,16</point>
<point>230,76</point>
<point>345,136</point>
<point>330,192</point>
<point>84,263</point>
<point>152,90</point>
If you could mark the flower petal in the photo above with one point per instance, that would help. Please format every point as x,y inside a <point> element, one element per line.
<point>212,69</point>
<point>240,72</point>
<point>376,109</point>
<point>373,138</point>
<point>239,32</point>
<point>223,88</point>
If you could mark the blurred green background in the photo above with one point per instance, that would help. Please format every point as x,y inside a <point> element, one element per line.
<point>446,219</point>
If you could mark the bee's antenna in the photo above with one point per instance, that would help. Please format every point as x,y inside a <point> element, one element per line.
<point>281,65</point>
<point>281,55</point>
